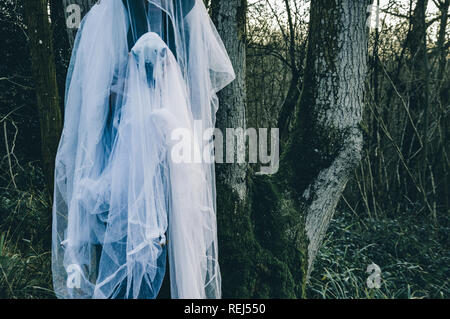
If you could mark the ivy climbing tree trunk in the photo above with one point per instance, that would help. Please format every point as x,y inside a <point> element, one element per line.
<point>44,74</point>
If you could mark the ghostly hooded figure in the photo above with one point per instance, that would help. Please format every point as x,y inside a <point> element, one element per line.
<point>139,71</point>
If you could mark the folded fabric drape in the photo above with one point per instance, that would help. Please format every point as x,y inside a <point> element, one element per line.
<point>140,71</point>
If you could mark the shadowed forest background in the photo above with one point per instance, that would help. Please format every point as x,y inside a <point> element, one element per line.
<point>394,211</point>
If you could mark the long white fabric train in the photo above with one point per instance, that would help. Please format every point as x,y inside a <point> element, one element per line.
<point>122,204</point>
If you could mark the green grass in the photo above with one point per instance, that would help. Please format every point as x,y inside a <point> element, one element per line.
<point>23,275</point>
<point>25,258</point>
<point>412,253</point>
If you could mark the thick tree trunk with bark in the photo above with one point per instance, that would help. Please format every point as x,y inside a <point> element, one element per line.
<point>326,145</point>
<point>229,18</point>
<point>231,178</point>
<point>44,73</point>
<point>271,241</point>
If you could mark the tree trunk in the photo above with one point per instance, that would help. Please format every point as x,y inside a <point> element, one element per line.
<point>231,179</point>
<point>443,89</point>
<point>416,131</point>
<point>229,17</point>
<point>288,107</point>
<point>325,146</point>
<point>419,90</point>
<point>444,6</point>
<point>62,47</point>
<point>44,73</point>
<point>268,245</point>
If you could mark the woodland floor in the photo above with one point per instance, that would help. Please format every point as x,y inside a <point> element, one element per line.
<point>413,255</point>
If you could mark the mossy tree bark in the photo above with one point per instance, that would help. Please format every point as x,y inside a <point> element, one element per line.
<point>326,144</point>
<point>44,74</point>
<point>231,179</point>
<point>269,242</point>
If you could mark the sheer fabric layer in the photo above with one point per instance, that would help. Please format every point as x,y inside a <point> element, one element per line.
<point>122,204</point>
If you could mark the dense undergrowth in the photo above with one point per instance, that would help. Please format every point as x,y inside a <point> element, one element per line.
<point>412,252</point>
<point>25,230</point>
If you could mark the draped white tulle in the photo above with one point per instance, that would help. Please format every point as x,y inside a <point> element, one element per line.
<point>122,202</point>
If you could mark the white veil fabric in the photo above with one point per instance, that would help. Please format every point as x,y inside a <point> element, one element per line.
<point>124,201</point>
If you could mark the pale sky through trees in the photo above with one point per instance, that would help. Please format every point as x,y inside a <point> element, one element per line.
<point>384,5</point>
<point>398,8</point>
